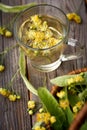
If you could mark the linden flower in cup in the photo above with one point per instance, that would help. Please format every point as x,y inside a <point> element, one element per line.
<point>42,33</point>
<point>39,35</point>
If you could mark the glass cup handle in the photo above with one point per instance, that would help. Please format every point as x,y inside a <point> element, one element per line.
<point>71,56</point>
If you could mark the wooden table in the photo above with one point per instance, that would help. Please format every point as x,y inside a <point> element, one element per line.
<point>14,115</point>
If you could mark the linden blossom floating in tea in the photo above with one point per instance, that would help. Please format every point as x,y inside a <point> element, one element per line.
<point>41,32</point>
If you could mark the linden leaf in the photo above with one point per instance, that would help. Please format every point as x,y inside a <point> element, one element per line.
<point>62,80</point>
<point>52,107</point>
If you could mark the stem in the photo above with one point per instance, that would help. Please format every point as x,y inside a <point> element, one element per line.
<point>3,53</point>
<point>78,9</point>
<point>8,49</point>
<point>12,79</point>
<point>83,94</point>
<point>22,66</point>
<point>11,23</point>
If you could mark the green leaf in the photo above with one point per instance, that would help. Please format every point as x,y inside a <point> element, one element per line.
<point>69,115</point>
<point>22,66</point>
<point>85,77</point>
<point>84,126</point>
<point>62,80</point>
<point>68,112</point>
<point>73,99</point>
<point>52,107</point>
<point>14,9</point>
<point>83,94</point>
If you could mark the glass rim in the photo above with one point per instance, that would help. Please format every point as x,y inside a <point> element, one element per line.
<point>40,49</point>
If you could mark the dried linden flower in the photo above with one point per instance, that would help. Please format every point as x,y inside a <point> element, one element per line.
<point>36,20</point>
<point>52,119</point>
<point>70,81</point>
<point>5,32</point>
<point>77,18</point>
<point>41,110</point>
<point>60,94</point>
<point>4,92</point>
<point>2,68</point>
<point>64,103</point>
<point>30,112</point>
<point>70,16</point>
<point>40,128</point>
<point>8,33</point>
<point>75,109</point>
<point>39,35</point>
<point>12,97</point>
<point>43,117</point>
<point>31,104</point>
<point>74,16</point>
<point>78,106</point>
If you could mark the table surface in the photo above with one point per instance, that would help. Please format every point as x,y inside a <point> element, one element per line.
<point>14,115</point>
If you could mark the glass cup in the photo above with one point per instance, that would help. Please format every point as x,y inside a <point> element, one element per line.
<point>50,58</point>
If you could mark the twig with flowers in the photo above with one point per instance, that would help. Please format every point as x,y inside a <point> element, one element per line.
<point>8,92</point>
<point>64,106</point>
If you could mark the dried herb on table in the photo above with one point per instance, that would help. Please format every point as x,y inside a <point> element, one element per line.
<point>74,16</point>
<point>8,91</point>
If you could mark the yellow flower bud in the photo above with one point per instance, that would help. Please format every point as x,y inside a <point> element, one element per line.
<point>31,104</point>
<point>75,109</point>
<point>80,104</point>
<point>18,96</point>
<point>64,103</point>
<point>52,119</point>
<point>70,16</point>
<point>8,33</point>
<point>1,68</point>
<point>3,92</point>
<point>12,97</point>
<point>77,19</point>
<point>41,110</point>
<point>30,112</point>
<point>60,94</point>
<point>74,16</point>
<point>40,128</point>
<point>70,81</point>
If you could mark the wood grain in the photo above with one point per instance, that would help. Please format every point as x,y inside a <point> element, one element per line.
<point>14,115</point>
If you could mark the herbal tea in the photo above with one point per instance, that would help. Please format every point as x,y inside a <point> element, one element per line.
<point>41,33</point>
